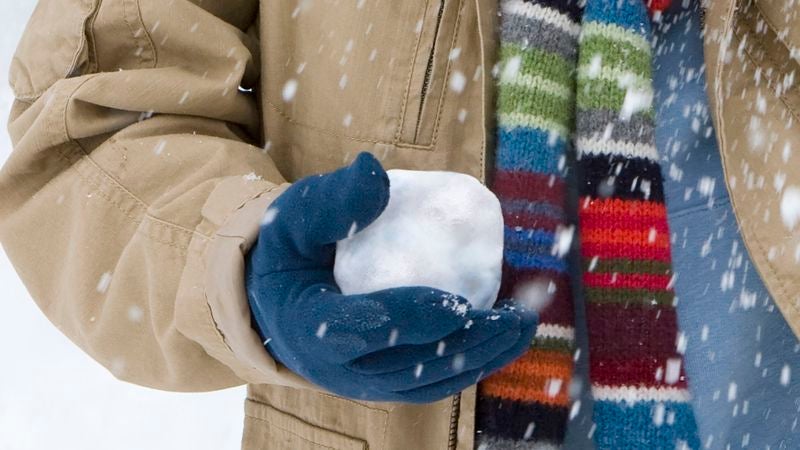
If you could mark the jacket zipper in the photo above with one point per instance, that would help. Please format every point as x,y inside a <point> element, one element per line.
<point>426,81</point>
<point>453,440</point>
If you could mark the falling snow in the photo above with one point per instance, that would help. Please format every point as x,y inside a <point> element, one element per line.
<point>135,314</point>
<point>786,375</point>
<point>731,277</point>
<point>269,216</point>
<point>457,81</point>
<point>289,90</point>
<point>790,207</point>
<point>322,329</point>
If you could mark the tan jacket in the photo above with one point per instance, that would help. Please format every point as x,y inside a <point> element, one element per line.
<point>752,50</point>
<point>140,175</point>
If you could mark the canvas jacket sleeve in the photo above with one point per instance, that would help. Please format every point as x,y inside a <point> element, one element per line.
<point>134,187</point>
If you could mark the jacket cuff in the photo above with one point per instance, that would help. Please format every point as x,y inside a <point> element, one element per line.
<point>212,302</point>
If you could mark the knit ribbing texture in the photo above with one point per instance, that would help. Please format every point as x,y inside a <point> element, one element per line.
<point>579,77</point>
<point>526,405</point>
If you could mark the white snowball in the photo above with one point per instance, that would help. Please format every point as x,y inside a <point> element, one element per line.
<point>440,229</point>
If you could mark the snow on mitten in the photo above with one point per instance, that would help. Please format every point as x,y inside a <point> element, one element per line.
<point>409,344</point>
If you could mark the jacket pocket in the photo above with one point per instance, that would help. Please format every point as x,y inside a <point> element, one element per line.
<point>370,72</point>
<point>433,75</point>
<point>269,428</point>
<point>53,46</point>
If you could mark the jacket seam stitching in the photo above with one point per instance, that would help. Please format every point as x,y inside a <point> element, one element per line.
<point>718,94</point>
<point>767,55</point>
<point>136,219</point>
<point>118,186</point>
<point>182,250</point>
<point>482,40</point>
<point>341,136</point>
<point>239,207</point>
<point>273,424</point>
<point>450,408</point>
<point>131,27</point>
<point>315,426</point>
<point>772,27</point>
<point>209,311</point>
<point>443,96</point>
<point>400,125</point>
<point>385,414</point>
<point>91,41</point>
<point>147,35</point>
<point>97,189</point>
<point>347,400</point>
<point>83,154</point>
<point>34,94</point>
<point>397,140</point>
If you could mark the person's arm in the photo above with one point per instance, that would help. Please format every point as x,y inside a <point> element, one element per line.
<point>133,190</point>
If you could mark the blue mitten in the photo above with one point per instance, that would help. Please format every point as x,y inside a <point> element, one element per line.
<point>409,344</point>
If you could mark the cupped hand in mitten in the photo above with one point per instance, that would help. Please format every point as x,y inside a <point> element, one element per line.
<point>410,344</point>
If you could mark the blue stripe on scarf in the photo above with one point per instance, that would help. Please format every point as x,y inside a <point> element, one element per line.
<point>628,14</point>
<point>529,149</point>
<point>537,259</point>
<point>528,236</point>
<point>629,425</point>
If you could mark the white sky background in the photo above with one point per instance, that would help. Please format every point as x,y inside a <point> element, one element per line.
<point>52,396</point>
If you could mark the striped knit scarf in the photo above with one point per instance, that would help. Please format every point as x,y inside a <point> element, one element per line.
<point>579,75</point>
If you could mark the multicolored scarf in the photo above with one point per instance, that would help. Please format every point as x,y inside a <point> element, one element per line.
<point>578,75</point>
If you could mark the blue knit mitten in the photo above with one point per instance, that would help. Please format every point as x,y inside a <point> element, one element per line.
<point>410,344</point>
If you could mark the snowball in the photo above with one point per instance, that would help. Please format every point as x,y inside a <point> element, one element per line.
<point>440,229</point>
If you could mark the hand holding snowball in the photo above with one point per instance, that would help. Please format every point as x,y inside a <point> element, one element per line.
<point>409,343</point>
